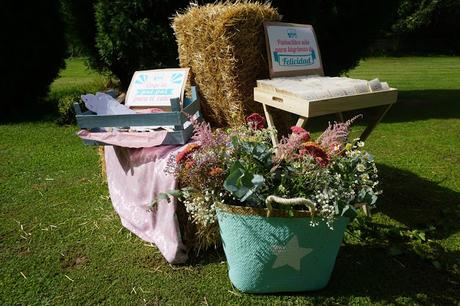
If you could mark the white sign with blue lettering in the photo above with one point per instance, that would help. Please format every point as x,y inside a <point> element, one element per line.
<point>292,47</point>
<point>155,88</point>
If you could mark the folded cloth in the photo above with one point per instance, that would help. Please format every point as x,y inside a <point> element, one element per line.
<point>126,139</point>
<point>135,178</point>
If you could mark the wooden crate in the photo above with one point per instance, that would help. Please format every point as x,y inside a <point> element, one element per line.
<point>177,118</point>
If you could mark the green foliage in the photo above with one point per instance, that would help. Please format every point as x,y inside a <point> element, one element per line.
<point>242,183</point>
<point>33,50</point>
<point>81,30</point>
<point>344,29</point>
<point>66,110</point>
<point>134,35</point>
<point>73,82</point>
<point>428,26</point>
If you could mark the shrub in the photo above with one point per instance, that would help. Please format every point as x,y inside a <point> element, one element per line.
<point>33,50</point>
<point>81,30</point>
<point>65,108</point>
<point>135,34</point>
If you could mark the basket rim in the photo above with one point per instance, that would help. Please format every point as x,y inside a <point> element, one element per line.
<point>262,212</point>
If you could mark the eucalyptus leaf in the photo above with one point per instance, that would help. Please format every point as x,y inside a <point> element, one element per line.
<point>349,212</point>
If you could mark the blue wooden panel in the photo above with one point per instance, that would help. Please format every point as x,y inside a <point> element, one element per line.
<point>77,108</point>
<point>92,121</point>
<point>192,108</point>
<point>194,94</point>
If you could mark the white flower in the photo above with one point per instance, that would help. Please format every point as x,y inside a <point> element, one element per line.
<point>360,144</point>
<point>361,168</point>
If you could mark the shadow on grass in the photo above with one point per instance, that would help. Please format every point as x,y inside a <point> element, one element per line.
<point>412,105</point>
<point>415,105</point>
<point>370,271</point>
<point>44,110</point>
<point>369,268</point>
<point>419,203</point>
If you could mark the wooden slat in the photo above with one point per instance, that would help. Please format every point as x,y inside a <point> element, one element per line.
<point>178,137</point>
<point>380,113</point>
<point>271,124</point>
<point>77,108</point>
<point>287,103</point>
<point>175,107</point>
<point>192,108</point>
<point>93,121</point>
<point>301,121</point>
<point>347,103</point>
<point>316,108</point>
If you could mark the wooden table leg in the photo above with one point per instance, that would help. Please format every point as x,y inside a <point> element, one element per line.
<point>381,111</point>
<point>301,121</point>
<point>340,117</point>
<point>366,210</point>
<point>271,124</point>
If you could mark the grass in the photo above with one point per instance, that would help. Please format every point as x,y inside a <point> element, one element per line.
<point>75,77</point>
<point>62,243</point>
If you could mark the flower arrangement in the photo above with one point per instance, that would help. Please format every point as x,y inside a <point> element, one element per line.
<point>332,175</point>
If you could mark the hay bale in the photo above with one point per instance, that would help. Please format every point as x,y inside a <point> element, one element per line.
<point>224,46</point>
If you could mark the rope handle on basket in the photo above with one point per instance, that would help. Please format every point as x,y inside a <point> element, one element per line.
<point>293,201</point>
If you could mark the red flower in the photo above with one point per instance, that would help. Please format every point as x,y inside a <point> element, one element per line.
<point>256,121</point>
<point>215,171</point>
<point>314,150</point>
<point>189,164</point>
<point>186,152</point>
<point>304,135</point>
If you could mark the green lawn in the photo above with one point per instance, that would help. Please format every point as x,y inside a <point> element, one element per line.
<point>62,243</point>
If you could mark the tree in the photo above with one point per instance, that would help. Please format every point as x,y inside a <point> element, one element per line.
<point>428,26</point>
<point>344,29</point>
<point>33,50</point>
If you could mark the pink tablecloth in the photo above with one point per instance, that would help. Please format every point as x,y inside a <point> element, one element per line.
<point>135,177</point>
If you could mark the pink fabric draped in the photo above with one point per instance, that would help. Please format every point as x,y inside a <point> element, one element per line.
<point>126,139</point>
<point>135,178</point>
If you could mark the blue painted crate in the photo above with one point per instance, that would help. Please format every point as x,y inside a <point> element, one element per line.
<point>176,117</point>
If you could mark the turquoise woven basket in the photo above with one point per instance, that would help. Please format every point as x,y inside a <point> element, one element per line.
<point>277,254</point>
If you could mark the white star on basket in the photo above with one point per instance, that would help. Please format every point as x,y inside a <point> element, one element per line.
<point>290,255</point>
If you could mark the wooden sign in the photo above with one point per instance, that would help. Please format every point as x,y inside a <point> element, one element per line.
<point>292,49</point>
<point>155,88</point>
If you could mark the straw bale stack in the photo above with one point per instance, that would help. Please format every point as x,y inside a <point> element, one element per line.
<point>224,45</point>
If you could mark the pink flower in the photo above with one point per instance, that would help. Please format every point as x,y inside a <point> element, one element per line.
<point>256,121</point>
<point>304,135</point>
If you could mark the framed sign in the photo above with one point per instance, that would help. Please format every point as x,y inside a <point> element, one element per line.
<point>292,49</point>
<point>155,88</point>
